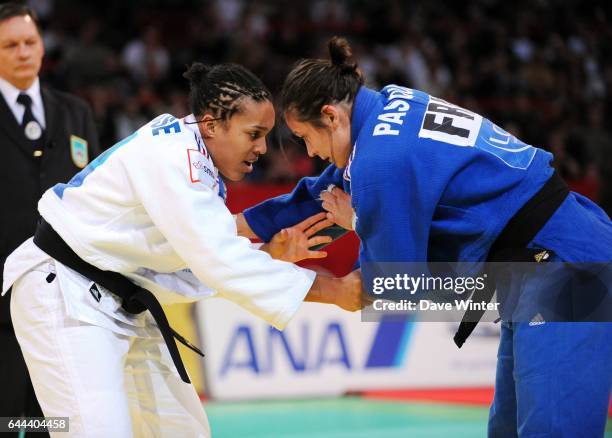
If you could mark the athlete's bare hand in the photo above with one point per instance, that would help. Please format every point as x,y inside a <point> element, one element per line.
<point>337,203</point>
<point>291,244</point>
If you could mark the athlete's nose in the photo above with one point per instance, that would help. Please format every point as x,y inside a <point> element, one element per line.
<point>260,146</point>
<point>311,152</point>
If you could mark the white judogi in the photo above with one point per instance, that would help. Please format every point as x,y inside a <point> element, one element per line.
<point>149,208</point>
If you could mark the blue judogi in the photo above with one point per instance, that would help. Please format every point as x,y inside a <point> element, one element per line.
<point>430,181</point>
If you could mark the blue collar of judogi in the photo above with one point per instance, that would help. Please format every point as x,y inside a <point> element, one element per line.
<point>364,103</point>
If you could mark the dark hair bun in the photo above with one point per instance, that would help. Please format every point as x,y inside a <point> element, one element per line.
<point>197,73</point>
<point>340,53</point>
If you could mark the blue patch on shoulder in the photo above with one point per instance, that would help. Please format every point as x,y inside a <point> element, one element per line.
<point>167,124</point>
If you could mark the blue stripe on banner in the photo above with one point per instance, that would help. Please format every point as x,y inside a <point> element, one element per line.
<point>77,180</point>
<point>400,357</point>
<point>389,340</point>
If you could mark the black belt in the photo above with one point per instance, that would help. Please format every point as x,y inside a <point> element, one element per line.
<point>511,244</point>
<point>134,299</point>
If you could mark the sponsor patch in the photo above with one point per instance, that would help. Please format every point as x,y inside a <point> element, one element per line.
<point>93,290</point>
<point>199,168</point>
<point>78,151</point>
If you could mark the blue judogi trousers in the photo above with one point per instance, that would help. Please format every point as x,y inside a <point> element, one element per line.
<point>553,380</point>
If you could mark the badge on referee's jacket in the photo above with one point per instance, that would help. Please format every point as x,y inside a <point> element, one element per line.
<point>78,151</point>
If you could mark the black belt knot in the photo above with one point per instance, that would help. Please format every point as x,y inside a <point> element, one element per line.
<point>511,244</point>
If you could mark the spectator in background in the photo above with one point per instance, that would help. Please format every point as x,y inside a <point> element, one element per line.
<point>146,58</point>
<point>47,136</point>
<point>596,142</point>
<point>129,119</point>
<point>86,60</point>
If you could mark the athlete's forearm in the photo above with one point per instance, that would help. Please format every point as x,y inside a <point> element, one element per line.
<point>344,292</point>
<point>243,227</point>
<point>322,290</point>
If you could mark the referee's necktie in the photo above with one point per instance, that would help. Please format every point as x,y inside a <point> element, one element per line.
<point>31,127</point>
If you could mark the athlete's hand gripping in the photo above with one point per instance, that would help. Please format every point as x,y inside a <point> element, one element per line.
<point>291,244</point>
<point>337,203</point>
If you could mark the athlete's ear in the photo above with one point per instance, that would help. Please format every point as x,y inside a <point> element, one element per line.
<point>207,126</point>
<point>329,114</point>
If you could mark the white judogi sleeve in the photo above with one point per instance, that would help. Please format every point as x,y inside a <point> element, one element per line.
<point>200,228</point>
<point>149,207</point>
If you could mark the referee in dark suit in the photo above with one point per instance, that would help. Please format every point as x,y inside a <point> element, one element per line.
<point>45,137</point>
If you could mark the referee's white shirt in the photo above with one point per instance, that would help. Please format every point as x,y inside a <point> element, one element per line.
<point>10,94</point>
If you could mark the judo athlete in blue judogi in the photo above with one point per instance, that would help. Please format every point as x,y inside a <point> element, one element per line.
<point>430,181</point>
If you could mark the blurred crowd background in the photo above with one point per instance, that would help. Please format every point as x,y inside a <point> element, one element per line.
<point>540,69</point>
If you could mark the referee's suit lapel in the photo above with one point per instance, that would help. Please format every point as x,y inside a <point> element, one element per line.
<point>52,114</point>
<point>10,128</point>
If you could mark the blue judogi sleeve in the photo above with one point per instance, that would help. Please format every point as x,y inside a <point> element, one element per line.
<point>272,215</point>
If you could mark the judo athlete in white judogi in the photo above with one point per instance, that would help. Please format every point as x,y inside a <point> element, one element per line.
<point>152,208</point>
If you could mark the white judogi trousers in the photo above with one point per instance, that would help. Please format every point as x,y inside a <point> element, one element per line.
<point>107,383</point>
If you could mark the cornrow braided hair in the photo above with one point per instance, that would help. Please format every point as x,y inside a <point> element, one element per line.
<point>221,88</point>
<point>312,83</point>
